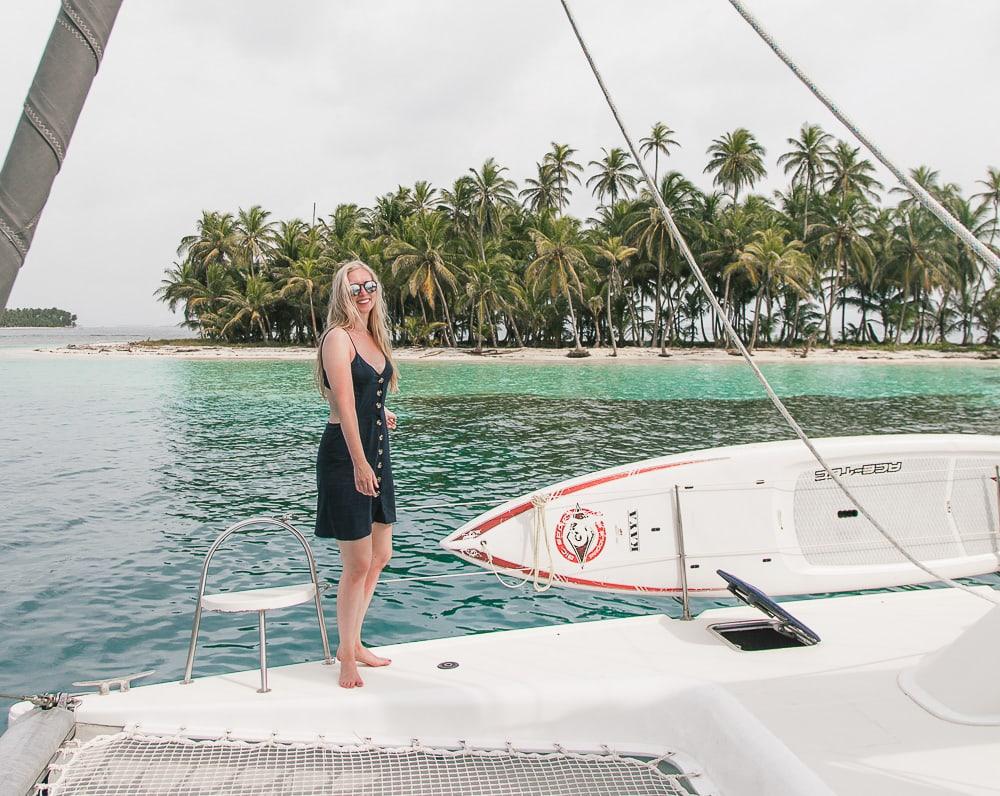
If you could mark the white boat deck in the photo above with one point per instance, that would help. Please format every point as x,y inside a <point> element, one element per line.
<point>803,720</point>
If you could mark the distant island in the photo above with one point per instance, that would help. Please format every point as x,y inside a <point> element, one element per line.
<point>35,316</point>
<point>833,259</point>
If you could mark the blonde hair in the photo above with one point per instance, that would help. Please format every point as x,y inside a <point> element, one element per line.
<point>343,314</point>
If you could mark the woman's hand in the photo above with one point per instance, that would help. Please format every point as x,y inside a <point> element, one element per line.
<point>364,479</point>
<point>390,420</point>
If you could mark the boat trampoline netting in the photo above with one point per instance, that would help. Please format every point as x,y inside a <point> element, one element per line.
<point>141,765</point>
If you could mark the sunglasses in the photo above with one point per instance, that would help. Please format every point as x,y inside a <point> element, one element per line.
<point>370,286</point>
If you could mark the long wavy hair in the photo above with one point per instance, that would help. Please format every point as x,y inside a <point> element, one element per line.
<point>343,313</point>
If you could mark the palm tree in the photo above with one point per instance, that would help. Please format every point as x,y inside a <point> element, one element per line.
<point>557,266</point>
<point>250,305</point>
<point>613,252</point>
<point>492,193</point>
<point>423,198</point>
<point>491,289</point>
<point>738,160</point>
<point>729,233</point>
<point>658,142</point>
<point>305,276</point>
<point>178,286</point>
<point>807,163</point>
<point>386,218</point>
<point>614,176</point>
<point>543,195</point>
<point>421,257</point>
<point>457,205</point>
<point>564,169</point>
<point>770,264</point>
<point>341,232</point>
<point>918,249</point>
<point>216,241</point>
<point>847,173</point>
<point>988,315</point>
<point>968,272</point>
<point>255,235</point>
<point>841,236</point>
<point>991,196</point>
<point>651,234</point>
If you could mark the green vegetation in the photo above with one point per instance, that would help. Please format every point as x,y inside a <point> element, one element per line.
<point>485,260</point>
<point>37,317</point>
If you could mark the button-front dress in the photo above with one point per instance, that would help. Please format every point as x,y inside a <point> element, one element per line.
<point>341,511</point>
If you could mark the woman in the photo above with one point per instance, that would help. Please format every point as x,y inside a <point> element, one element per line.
<point>356,503</point>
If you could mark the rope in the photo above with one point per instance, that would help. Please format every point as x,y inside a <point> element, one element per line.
<point>455,505</point>
<point>928,201</point>
<point>539,529</point>
<point>731,331</point>
<point>410,579</point>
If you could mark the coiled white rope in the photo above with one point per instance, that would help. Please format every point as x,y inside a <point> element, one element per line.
<point>540,530</point>
<point>734,337</point>
<point>928,201</point>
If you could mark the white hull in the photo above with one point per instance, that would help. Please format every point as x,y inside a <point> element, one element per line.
<point>824,719</point>
<point>765,512</point>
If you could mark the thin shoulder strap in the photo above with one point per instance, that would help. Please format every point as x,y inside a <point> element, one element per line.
<point>351,338</point>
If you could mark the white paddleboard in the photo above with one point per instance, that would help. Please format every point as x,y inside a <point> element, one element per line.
<point>764,512</point>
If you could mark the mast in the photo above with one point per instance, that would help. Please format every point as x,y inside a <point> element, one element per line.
<point>68,66</point>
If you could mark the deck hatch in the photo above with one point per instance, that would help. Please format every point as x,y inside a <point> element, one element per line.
<point>756,635</point>
<point>779,630</point>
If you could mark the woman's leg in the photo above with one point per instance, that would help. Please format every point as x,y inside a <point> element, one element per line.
<point>381,553</point>
<point>356,556</point>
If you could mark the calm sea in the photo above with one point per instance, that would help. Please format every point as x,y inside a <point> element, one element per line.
<point>117,474</point>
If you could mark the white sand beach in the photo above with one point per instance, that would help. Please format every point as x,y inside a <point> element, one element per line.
<point>546,355</point>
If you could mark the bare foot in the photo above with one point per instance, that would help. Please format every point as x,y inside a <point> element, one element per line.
<point>369,658</point>
<point>349,677</point>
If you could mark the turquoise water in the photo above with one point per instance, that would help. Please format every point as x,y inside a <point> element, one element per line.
<point>117,474</point>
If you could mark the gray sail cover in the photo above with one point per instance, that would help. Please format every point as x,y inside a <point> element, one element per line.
<point>69,63</point>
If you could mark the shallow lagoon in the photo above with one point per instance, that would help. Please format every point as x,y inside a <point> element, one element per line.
<point>118,473</point>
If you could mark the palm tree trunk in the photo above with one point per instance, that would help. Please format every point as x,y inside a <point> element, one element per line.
<point>572,319</point>
<point>667,324</point>
<point>611,328</point>
<point>902,306</point>
<point>636,335</point>
<point>447,315</point>
<point>721,334</point>
<point>656,306</point>
<point>756,322</point>
<point>518,340</point>
<point>312,314</point>
<point>834,287</point>
<point>479,329</point>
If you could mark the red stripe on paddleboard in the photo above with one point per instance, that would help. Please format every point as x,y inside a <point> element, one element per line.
<point>597,584</point>
<point>493,522</point>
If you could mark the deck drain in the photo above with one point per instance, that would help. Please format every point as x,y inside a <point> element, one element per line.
<point>448,665</point>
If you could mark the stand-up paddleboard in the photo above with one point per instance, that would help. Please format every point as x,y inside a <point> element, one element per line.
<point>767,512</point>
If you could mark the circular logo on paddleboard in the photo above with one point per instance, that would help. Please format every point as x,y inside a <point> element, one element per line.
<point>580,534</point>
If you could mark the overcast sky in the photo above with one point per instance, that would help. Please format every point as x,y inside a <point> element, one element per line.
<point>220,104</point>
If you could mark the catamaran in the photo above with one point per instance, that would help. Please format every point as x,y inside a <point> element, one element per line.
<point>889,693</point>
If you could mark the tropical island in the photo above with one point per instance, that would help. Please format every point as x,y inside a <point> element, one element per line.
<point>36,317</point>
<point>834,259</point>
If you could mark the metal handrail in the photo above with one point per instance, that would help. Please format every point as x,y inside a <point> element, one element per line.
<point>681,557</point>
<point>281,522</point>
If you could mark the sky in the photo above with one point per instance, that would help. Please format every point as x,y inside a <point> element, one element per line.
<point>222,104</point>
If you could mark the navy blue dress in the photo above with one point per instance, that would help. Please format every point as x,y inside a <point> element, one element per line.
<point>341,511</point>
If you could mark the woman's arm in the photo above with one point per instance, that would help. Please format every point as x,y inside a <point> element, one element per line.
<point>337,355</point>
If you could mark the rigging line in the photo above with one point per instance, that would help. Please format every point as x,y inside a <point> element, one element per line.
<point>723,317</point>
<point>929,202</point>
<point>412,578</point>
<point>459,504</point>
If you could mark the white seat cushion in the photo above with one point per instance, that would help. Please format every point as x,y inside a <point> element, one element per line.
<point>258,599</point>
